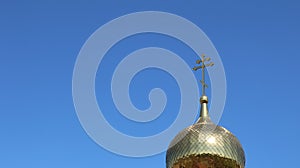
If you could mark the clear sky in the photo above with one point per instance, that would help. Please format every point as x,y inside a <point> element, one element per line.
<point>258,42</point>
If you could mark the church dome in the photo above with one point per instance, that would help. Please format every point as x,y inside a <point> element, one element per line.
<point>205,144</point>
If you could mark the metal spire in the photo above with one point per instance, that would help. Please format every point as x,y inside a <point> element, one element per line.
<point>204,117</point>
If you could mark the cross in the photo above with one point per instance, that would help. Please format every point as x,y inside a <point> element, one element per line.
<point>203,66</point>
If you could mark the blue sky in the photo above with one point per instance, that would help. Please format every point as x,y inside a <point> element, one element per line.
<point>258,42</point>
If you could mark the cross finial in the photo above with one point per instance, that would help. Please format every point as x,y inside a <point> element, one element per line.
<point>203,66</point>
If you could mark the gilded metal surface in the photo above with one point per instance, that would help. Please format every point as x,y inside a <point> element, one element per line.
<point>204,137</point>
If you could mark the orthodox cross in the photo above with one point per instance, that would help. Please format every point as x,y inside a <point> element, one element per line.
<point>203,66</point>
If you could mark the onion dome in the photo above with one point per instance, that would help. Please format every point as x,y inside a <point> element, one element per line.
<point>204,144</point>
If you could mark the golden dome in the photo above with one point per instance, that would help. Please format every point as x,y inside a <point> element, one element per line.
<point>205,143</point>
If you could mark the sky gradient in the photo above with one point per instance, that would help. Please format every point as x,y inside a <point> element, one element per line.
<point>258,43</point>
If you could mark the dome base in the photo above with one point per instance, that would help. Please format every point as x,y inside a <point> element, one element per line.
<point>205,161</point>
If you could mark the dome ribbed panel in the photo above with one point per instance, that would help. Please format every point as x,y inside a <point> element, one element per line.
<point>205,138</point>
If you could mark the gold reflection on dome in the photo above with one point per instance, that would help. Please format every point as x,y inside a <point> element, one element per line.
<point>211,140</point>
